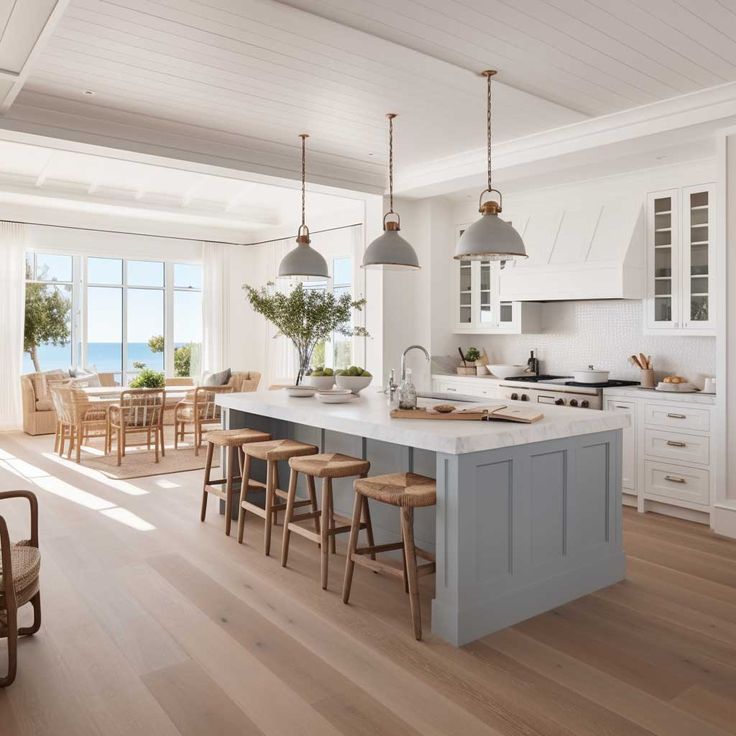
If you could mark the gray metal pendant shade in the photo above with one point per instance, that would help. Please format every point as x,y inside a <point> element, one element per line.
<point>303,260</point>
<point>390,250</point>
<point>490,238</point>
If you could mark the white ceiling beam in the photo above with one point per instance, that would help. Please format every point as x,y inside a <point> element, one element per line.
<point>41,178</point>
<point>192,190</point>
<point>239,196</point>
<point>29,27</point>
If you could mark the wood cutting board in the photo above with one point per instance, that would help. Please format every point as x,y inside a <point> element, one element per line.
<point>487,414</point>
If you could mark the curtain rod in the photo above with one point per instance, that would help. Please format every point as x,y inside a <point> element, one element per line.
<point>173,237</point>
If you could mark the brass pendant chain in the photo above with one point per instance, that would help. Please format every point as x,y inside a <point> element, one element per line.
<point>304,136</point>
<point>488,75</point>
<point>391,117</point>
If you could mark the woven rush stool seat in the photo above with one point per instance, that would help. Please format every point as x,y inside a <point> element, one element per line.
<point>326,466</point>
<point>271,451</point>
<point>280,450</point>
<point>407,491</point>
<point>232,440</point>
<point>399,489</point>
<point>330,465</point>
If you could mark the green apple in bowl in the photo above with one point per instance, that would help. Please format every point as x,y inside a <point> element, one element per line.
<point>354,378</point>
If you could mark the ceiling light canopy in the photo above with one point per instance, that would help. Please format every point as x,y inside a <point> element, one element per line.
<point>303,260</point>
<point>390,250</point>
<point>490,238</point>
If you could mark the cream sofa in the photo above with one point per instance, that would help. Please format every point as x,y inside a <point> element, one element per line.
<point>39,416</point>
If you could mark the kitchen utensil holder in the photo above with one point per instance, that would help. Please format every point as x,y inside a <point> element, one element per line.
<point>647,378</point>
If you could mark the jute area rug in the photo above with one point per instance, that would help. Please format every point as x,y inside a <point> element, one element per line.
<point>139,461</point>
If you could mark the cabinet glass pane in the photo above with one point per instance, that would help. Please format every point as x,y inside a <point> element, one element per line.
<point>699,266</point>
<point>465,315</point>
<point>663,259</point>
<point>486,314</point>
<point>506,312</point>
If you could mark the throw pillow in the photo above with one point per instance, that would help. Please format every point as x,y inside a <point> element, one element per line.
<point>217,379</point>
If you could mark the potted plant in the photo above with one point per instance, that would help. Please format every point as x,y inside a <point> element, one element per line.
<point>148,378</point>
<point>306,317</point>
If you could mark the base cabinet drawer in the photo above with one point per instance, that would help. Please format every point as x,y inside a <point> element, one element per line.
<point>677,482</point>
<point>684,418</point>
<point>468,389</point>
<point>676,447</point>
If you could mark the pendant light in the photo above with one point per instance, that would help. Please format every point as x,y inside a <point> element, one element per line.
<point>490,238</point>
<point>390,250</point>
<point>303,260</point>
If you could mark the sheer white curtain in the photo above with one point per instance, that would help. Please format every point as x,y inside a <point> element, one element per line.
<point>215,311</point>
<point>12,309</point>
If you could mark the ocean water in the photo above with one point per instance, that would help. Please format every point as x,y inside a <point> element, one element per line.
<point>102,356</point>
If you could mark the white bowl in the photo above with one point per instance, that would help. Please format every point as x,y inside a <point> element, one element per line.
<point>321,383</point>
<point>300,392</point>
<point>353,383</point>
<point>336,396</point>
<point>504,370</point>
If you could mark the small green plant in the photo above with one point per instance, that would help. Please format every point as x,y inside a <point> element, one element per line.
<point>148,378</point>
<point>139,365</point>
<point>471,355</point>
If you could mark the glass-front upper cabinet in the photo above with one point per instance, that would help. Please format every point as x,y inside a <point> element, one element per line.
<point>479,308</point>
<point>679,255</point>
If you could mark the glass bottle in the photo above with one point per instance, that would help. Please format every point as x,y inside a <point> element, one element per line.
<point>407,393</point>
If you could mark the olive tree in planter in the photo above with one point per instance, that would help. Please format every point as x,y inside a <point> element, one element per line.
<point>306,316</point>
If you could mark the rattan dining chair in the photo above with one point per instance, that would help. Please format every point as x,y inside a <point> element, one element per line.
<point>20,565</point>
<point>79,418</point>
<point>141,410</point>
<point>199,410</point>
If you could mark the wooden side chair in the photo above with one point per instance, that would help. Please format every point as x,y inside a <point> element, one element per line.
<point>79,418</point>
<point>198,410</point>
<point>407,491</point>
<point>141,410</point>
<point>20,565</point>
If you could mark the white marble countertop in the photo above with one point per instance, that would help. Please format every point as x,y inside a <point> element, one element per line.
<point>368,416</point>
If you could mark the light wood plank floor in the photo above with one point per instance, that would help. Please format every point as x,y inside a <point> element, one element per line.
<point>157,624</point>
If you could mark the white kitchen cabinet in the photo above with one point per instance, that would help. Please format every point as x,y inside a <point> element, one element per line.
<point>478,306</point>
<point>467,385</point>
<point>629,446</point>
<point>680,258</point>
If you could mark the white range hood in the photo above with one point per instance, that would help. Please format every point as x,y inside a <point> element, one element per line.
<point>591,252</point>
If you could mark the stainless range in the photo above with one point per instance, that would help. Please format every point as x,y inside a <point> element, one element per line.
<point>559,390</point>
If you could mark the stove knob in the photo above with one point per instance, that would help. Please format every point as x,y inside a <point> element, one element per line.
<point>514,397</point>
<point>524,397</point>
<point>585,403</point>
<point>559,402</point>
<point>573,402</point>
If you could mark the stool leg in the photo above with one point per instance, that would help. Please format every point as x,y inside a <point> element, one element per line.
<point>407,532</point>
<point>232,457</point>
<point>324,531</point>
<point>313,498</point>
<point>244,483</point>
<point>333,539</point>
<point>269,507</point>
<point>207,468</point>
<point>276,485</point>
<point>368,524</point>
<point>352,546</point>
<point>290,498</point>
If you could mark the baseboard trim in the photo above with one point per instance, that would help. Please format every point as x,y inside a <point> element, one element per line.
<point>723,520</point>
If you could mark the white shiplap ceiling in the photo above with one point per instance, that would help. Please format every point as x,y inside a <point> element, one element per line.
<point>595,56</point>
<point>232,82</point>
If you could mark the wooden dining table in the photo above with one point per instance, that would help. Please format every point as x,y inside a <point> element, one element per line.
<point>111,394</point>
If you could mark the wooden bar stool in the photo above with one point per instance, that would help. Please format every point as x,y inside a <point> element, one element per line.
<point>272,452</point>
<point>326,466</point>
<point>408,491</point>
<point>232,440</point>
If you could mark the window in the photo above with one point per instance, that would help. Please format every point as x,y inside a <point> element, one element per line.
<point>338,351</point>
<point>49,317</point>
<point>133,314</point>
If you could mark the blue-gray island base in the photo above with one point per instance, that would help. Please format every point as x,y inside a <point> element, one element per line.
<point>517,530</point>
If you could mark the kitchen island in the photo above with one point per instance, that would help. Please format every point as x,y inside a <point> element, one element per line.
<point>528,516</point>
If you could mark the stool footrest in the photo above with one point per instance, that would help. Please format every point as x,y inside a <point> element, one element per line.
<point>390,567</point>
<point>313,535</point>
<point>377,548</point>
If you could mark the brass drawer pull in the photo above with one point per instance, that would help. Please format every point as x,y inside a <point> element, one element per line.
<point>672,443</point>
<point>677,416</point>
<point>674,479</point>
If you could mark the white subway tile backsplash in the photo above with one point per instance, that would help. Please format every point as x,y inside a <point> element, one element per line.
<point>604,333</point>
